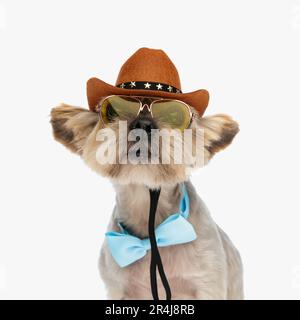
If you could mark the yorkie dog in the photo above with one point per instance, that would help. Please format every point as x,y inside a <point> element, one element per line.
<point>137,135</point>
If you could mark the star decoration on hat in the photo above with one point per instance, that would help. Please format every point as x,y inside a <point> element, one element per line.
<point>149,85</point>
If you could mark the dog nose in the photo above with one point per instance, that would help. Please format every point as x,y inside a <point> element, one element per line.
<point>144,123</point>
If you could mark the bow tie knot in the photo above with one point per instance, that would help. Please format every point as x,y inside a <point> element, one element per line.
<point>127,249</point>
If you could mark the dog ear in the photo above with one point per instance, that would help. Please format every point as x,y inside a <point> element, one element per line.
<point>219,131</point>
<point>72,125</point>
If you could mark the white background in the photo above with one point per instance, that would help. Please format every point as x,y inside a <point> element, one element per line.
<point>54,210</point>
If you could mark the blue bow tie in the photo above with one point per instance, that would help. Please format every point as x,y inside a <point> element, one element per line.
<point>127,249</point>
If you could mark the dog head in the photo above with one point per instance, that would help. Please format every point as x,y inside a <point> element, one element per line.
<point>83,132</point>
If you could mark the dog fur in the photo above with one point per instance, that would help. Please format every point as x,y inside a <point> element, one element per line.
<point>207,268</point>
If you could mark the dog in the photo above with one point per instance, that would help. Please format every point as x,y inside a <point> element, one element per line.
<point>208,267</point>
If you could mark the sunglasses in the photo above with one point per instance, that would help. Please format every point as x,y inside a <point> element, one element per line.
<point>173,113</point>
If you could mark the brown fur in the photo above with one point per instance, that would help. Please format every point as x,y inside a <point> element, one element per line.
<point>219,131</point>
<point>77,128</point>
<point>71,126</point>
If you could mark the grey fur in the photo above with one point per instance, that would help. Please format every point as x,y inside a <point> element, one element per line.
<point>208,268</point>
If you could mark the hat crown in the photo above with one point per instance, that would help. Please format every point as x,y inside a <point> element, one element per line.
<point>149,65</point>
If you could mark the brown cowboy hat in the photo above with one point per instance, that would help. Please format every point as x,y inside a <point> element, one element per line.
<point>147,72</point>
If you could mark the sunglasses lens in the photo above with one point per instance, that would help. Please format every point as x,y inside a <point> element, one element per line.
<point>172,113</point>
<point>119,107</point>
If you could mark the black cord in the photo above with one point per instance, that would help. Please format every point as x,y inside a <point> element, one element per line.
<point>156,262</point>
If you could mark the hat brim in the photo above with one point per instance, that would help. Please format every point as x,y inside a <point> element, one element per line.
<point>98,89</point>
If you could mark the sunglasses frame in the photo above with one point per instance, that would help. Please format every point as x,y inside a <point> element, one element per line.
<point>143,105</point>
